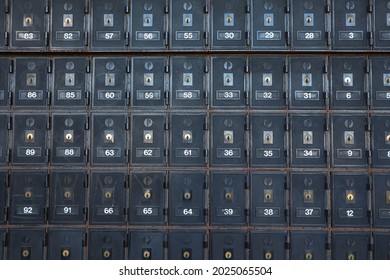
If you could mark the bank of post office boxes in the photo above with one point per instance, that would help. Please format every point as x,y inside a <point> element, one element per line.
<point>228,198</point>
<point>65,244</point>
<point>269,24</point>
<point>268,140</point>
<point>186,244</point>
<point>3,196</point>
<point>28,20</point>
<point>109,25</point>
<point>4,122</point>
<point>381,26</point>
<point>228,24</point>
<point>228,245</point>
<point>381,246</point>
<point>308,87</point>
<point>267,82</point>
<point>380,82</point>
<point>148,24</point>
<point>28,197</point>
<point>107,199</point>
<point>308,245</point>
<point>4,83</point>
<point>106,244</point>
<point>25,244</point>
<point>350,24</point>
<point>348,83</point>
<point>187,198</point>
<point>187,138</point>
<point>308,139</point>
<point>309,23</point>
<point>149,83</point>
<point>31,83</point>
<point>350,200</point>
<point>349,143</point>
<point>30,138</point>
<point>69,139</point>
<point>380,140</point>
<point>148,139</point>
<point>188,82</point>
<point>267,245</point>
<point>268,201</point>
<point>188,24</point>
<point>381,200</point>
<point>69,83</point>
<point>229,82</point>
<point>350,245</point>
<point>67,204</point>
<point>110,82</point>
<point>68,24</point>
<point>308,199</point>
<point>228,140</point>
<point>147,198</point>
<point>109,139</point>
<point>147,245</point>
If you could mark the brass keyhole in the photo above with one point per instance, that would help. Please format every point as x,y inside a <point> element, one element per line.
<point>308,138</point>
<point>186,255</point>
<point>30,81</point>
<point>107,194</point>
<point>148,136</point>
<point>187,20</point>
<point>147,20</point>
<point>106,254</point>
<point>309,256</point>
<point>67,20</point>
<point>28,20</point>
<point>148,80</point>
<point>147,194</point>
<point>267,79</point>
<point>351,257</point>
<point>108,20</point>
<point>187,136</point>
<point>387,80</point>
<point>146,254</point>
<point>28,194</point>
<point>350,19</point>
<point>349,138</point>
<point>65,253</point>
<point>187,195</point>
<point>229,19</point>
<point>388,138</point>
<point>25,253</point>
<point>228,80</point>
<point>268,137</point>
<point>70,80</point>
<point>109,137</point>
<point>30,136</point>
<point>309,20</point>
<point>187,79</point>
<point>347,80</point>
<point>268,256</point>
<point>308,196</point>
<point>306,80</point>
<point>350,197</point>
<point>229,196</point>
<point>68,136</point>
<point>228,137</point>
<point>268,19</point>
<point>68,194</point>
<point>268,196</point>
<point>228,255</point>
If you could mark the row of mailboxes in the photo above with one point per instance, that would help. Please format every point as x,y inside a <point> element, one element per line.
<point>195,25</point>
<point>101,244</point>
<point>199,82</point>
<point>196,139</point>
<point>190,198</point>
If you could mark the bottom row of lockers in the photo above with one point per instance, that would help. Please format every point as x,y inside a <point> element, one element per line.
<point>76,244</point>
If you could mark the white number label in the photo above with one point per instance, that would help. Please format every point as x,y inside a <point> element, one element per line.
<point>68,36</point>
<point>388,154</point>
<point>351,35</point>
<point>108,211</point>
<point>350,213</point>
<point>147,211</point>
<point>67,210</point>
<point>229,35</point>
<point>268,153</point>
<point>28,36</point>
<point>27,210</point>
<point>267,95</point>
<point>188,35</point>
<point>109,153</point>
<point>187,94</point>
<point>227,212</point>
<point>109,95</point>
<point>309,35</point>
<point>148,152</point>
<point>187,211</point>
<point>69,152</point>
<point>269,35</point>
<point>187,152</point>
<point>70,94</point>
<point>31,94</point>
<point>149,95</point>
<point>30,152</point>
<point>148,36</point>
<point>350,153</point>
<point>228,94</point>
<point>307,153</point>
<point>268,212</point>
<point>228,153</point>
<point>109,36</point>
<point>308,212</point>
<point>348,95</point>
